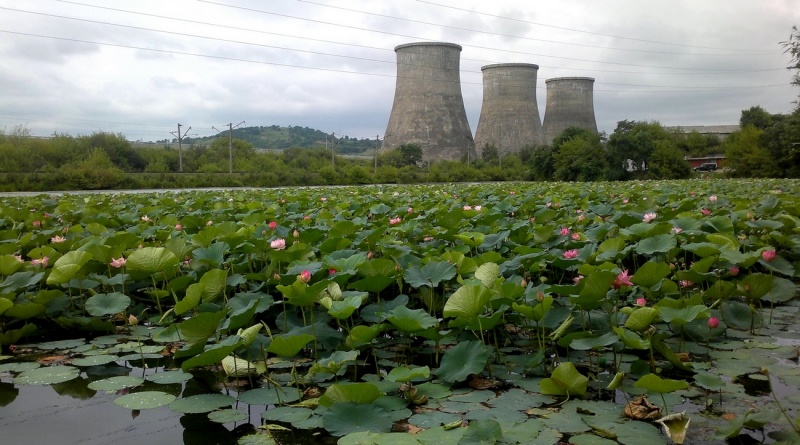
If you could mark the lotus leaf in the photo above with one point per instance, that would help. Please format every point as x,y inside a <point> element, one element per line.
<point>112,384</point>
<point>47,375</point>
<point>430,274</point>
<point>67,266</point>
<point>151,260</point>
<point>651,273</point>
<point>343,418</point>
<point>288,345</point>
<point>654,383</point>
<point>410,320</point>
<point>357,393</point>
<point>228,416</point>
<point>405,374</point>
<point>565,381</point>
<point>641,318</point>
<point>107,304</point>
<point>469,357</point>
<point>468,301</point>
<point>201,403</point>
<point>144,400</point>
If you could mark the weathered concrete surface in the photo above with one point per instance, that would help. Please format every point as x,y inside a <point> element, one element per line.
<point>570,103</point>
<point>509,114</point>
<point>428,107</point>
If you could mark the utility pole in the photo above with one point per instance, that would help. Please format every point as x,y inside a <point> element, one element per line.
<point>333,151</point>
<point>377,141</point>
<point>230,144</point>
<point>180,150</point>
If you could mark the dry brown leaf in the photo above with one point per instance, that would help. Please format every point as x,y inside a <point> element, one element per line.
<point>641,409</point>
<point>729,416</point>
<point>54,360</point>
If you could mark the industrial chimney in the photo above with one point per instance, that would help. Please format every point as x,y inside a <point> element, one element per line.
<point>428,108</point>
<point>570,103</point>
<point>509,114</point>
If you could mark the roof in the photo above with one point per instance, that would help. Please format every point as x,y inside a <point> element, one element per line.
<point>706,129</point>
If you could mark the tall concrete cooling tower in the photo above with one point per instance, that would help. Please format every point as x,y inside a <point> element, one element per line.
<point>570,103</point>
<point>509,114</point>
<point>428,108</point>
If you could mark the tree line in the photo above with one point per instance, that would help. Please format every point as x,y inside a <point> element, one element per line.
<point>767,145</point>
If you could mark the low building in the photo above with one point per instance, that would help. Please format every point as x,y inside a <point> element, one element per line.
<point>720,131</point>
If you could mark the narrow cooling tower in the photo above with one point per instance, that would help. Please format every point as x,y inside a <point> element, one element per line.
<point>570,103</point>
<point>428,108</point>
<point>509,114</point>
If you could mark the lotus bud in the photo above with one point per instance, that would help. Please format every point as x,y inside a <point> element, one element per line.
<point>132,320</point>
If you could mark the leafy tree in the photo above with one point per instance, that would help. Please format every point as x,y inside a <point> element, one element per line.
<point>792,47</point>
<point>782,140</point>
<point>757,117</point>
<point>630,148</point>
<point>117,148</point>
<point>489,153</point>
<point>667,162</point>
<point>411,154</point>
<point>745,157</point>
<point>579,159</point>
<point>541,163</point>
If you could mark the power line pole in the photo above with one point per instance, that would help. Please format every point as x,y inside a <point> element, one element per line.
<point>333,151</point>
<point>377,141</point>
<point>230,144</point>
<point>180,149</point>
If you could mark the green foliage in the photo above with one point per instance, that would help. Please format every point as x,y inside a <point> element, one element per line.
<point>667,162</point>
<point>631,147</point>
<point>746,157</point>
<point>580,159</point>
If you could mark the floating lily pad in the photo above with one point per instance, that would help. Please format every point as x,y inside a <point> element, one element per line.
<point>168,377</point>
<point>429,419</point>
<point>61,344</point>
<point>144,400</point>
<point>94,360</point>
<point>287,414</point>
<point>201,403</point>
<point>270,396</point>
<point>256,439</point>
<point>228,416</point>
<point>47,375</point>
<point>116,383</point>
<point>346,417</point>
<point>18,366</point>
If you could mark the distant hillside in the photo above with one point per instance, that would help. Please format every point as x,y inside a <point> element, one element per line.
<point>275,137</point>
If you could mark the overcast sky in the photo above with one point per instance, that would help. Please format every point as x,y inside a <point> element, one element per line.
<point>144,66</point>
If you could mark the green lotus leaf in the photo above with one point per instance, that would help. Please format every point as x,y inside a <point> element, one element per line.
<point>595,288</point>
<point>9,264</point>
<point>488,273</point>
<point>468,301</point>
<point>345,418</point>
<point>169,377</point>
<point>654,383</point>
<point>430,274</point>
<point>144,400</point>
<point>288,345</point>
<point>24,310</point>
<point>334,362</point>
<point>238,368</point>
<point>357,393</point>
<point>656,244</point>
<point>201,403</point>
<point>151,260</point>
<point>565,381</point>
<point>47,375</point>
<point>5,305</point>
<point>228,416</point>
<point>410,320</point>
<point>650,274</point>
<point>641,318</point>
<point>709,381</point>
<point>683,315</point>
<point>631,339</point>
<point>482,432</point>
<point>587,343</point>
<point>214,282</point>
<point>469,357</point>
<point>287,414</point>
<point>67,266</point>
<point>116,383</point>
<point>211,256</point>
<point>274,395</point>
<point>99,305</point>
<point>406,374</point>
<point>194,293</point>
<point>362,335</point>
<point>344,308</point>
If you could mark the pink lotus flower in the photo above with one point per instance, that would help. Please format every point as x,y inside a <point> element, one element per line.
<point>576,236</point>
<point>571,254</point>
<point>410,210</point>
<point>712,198</point>
<point>19,258</point>
<point>713,322</point>
<point>677,230</point>
<point>118,262</point>
<point>331,271</point>
<point>296,234</point>
<point>467,207</point>
<point>305,276</point>
<point>178,227</point>
<point>734,270</point>
<point>512,192</point>
<point>40,262</point>
<point>395,221</point>
<point>577,279</point>
<point>427,239</point>
<point>57,239</point>
<point>564,231</point>
<point>768,255</point>
<point>307,217</point>
<point>641,302</point>
<point>478,208</point>
<point>146,218</point>
<point>649,217</point>
<point>623,279</point>
<point>705,212</point>
<point>323,199</point>
<point>581,217</point>
<point>273,225</point>
<point>533,219</point>
<point>686,283</point>
<point>625,201</point>
<point>278,244</point>
<point>209,222</point>
<point>37,223</point>
<point>276,277</point>
<point>549,204</point>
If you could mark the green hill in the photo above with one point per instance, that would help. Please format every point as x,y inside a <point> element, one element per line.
<point>275,137</point>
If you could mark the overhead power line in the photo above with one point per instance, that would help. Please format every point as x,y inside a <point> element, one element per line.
<point>477,31</point>
<point>210,56</point>
<point>583,31</point>
<point>695,71</point>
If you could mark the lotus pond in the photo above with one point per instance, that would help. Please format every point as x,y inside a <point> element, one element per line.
<point>597,313</point>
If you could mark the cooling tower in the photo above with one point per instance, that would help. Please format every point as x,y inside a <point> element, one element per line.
<point>428,108</point>
<point>509,114</point>
<point>570,103</point>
